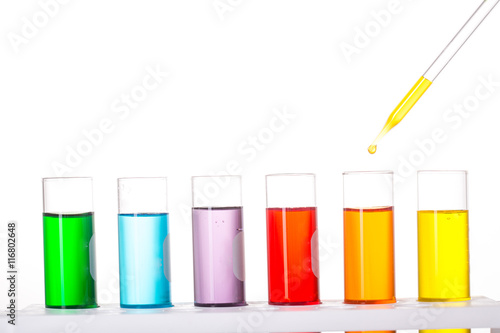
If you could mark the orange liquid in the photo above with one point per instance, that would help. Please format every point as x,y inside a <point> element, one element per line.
<point>369,256</point>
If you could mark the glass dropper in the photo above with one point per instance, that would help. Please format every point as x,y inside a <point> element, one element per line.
<point>435,69</point>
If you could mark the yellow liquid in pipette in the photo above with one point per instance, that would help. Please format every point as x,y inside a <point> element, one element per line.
<point>402,109</point>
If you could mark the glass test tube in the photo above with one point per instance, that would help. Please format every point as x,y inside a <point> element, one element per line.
<point>369,237</point>
<point>144,243</point>
<point>69,243</point>
<point>443,239</point>
<point>218,241</point>
<point>292,239</point>
<point>443,236</point>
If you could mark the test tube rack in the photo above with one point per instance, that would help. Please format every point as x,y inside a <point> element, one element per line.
<point>406,314</point>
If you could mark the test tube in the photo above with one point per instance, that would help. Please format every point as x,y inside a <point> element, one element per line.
<point>69,243</point>
<point>443,236</point>
<point>292,239</point>
<point>218,241</point>
<point>144,243</point>
<point>443,239</point>
<point>369,237</point>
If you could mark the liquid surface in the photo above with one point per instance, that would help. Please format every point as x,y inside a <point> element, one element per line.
<point>369,255</point>
<point>457,330</point>
<point>69,261</point>
<point>218,253</point>
<point>144,260</point>
<point>443,255</point>
<point>401,110</point>
<point>371,331</point>
<point>292,256</point>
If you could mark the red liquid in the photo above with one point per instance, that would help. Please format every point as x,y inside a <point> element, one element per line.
<point>292,261</point>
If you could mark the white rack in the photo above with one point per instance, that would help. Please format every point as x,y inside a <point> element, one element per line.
<point>480,312</point>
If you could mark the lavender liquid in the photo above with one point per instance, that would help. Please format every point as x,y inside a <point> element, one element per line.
<point>218,253</point>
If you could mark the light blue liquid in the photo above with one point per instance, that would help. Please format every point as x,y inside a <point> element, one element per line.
<point>144,260</point>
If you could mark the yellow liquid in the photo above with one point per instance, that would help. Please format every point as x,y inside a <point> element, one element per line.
<point>402,109</point>
<point>443,256</point>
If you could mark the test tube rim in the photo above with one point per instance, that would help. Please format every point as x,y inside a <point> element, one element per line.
<point>293,174</point>
<point>217,176</point>
<point>373,172</point>
<point>130,178</point>
<point>63,178</point>
<point>443,171</point>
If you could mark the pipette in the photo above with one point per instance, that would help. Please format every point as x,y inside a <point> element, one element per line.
<point>435,69</point>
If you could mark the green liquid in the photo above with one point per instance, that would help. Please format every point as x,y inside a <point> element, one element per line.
<point>69,261</point>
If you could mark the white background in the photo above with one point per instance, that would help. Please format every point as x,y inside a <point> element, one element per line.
<point>227,77</point>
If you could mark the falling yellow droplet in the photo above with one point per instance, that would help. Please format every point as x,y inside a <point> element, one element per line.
<point>372,149</point>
